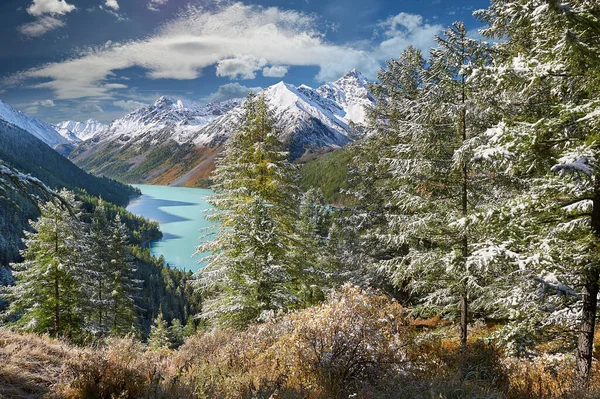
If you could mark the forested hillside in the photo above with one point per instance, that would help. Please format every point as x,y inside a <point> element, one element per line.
<point>29,155</point>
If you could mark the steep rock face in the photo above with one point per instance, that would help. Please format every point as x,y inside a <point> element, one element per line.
<point>79,131</point>
<point>175,142</point>
<point>32,125</point>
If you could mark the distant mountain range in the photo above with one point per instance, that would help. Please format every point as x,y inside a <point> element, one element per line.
<point>79,131</point>
<point>175,142</point>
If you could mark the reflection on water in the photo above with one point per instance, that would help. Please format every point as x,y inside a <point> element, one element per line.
<point>150,206</point>
<point>180,213</point>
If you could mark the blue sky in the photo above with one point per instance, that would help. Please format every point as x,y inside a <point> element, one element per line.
<point>80,59</point>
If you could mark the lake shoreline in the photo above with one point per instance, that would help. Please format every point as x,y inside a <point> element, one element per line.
<point>179,211</point>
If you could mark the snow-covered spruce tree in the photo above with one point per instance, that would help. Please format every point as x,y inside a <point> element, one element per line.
<point>550,64</point>
<point>47,296</point>
<point>434,116</point>
<point>359,236</point>
<point>312,230</point>
<point>124,287</point>
<point>98,284</point>
<point>454,112</point>
<point>252,268</point>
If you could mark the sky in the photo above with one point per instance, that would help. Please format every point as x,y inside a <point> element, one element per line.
<point>100,59</point>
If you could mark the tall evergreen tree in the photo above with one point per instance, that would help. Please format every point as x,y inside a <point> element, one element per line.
<point>124,286</point>
<point>48,293</point>
<point>98,281</point>
<point>549,65</point>
<point>428,118</point>
<point>252,269</point>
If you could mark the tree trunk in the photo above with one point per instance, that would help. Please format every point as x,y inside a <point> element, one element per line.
<point>56,307</point>
<point>585,340</point>
<point>464,298</point>
<point>464,312</point>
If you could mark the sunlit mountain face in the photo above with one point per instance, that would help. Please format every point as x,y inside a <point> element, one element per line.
<point>82,60</point>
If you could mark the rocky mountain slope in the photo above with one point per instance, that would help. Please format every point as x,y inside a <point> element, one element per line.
<point>175,142</point>
<point>34,126</point>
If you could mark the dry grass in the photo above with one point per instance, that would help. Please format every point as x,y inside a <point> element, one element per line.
<point>358,344</point>
<point>31,365</point>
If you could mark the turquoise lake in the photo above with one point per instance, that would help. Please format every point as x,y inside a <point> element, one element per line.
<point>180,212</point>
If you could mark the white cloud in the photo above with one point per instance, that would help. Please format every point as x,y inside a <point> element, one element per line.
<point>89,107</point>
<point>242,67</point>
<point>44,103</point>
<point>129,105</point>
<point>40,26</point>
<point>403,30</point>
<point>277,71</point>
<point>41,7</point>
<point>154,5</point>
<point>112,4</point>
<point>239,39</point>
<point>231,90</point>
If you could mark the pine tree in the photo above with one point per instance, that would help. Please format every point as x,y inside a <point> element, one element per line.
<point>98,281</point>
<point>361,237</point>
<point>190,327</point>
<point>48,293</point>
<point>549,64</point>
<point>176,334</point>
<point>428,118</point>
<point>159,333</point>
<point>122,282</point>
<point>251,270</point>
<point>312,231</point>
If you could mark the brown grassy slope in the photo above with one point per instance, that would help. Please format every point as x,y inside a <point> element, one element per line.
<point>30,365</point>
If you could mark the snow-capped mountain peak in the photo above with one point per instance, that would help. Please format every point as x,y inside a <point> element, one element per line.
<point>36,127</point>
<point>351,92</point>
<point>79,131</point>
<point>306,118</point>
<point>181,117</point>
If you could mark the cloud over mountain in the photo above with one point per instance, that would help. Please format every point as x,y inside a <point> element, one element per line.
<point>240,40</point>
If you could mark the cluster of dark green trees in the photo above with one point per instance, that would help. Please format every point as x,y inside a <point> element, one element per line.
<point>84,275</point>
<point>476,191</point>
<point>75,279</point>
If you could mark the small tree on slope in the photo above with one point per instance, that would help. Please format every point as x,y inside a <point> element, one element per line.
<point>48,292</point>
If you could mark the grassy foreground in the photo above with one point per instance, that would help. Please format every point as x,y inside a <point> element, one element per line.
<point>358,344</point>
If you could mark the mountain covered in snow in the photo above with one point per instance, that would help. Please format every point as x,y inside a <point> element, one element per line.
<point>34,126</point>
<point>308,119</point>
<point>181,118</point>
<point>174,141</point>
<point>79,131</point>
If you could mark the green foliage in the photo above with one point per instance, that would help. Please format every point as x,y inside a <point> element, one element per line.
<point>140,230</point>
<point>159,333</point>
<point>163,289</point>
<point>329,173</point>
<point>28,154</point>
<point>254,268</point>
<point>48,294</point>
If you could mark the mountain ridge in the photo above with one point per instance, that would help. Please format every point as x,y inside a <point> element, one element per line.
<point>164,143</point>
<point>43,131</point>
